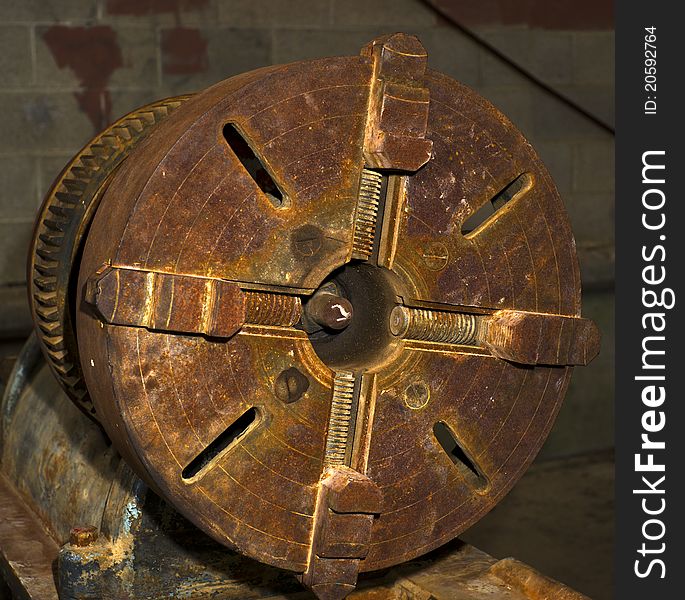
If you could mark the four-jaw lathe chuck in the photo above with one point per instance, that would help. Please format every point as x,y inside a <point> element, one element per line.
<point>329,310</point>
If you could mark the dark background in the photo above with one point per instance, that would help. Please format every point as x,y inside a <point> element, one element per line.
<point>69,67</point>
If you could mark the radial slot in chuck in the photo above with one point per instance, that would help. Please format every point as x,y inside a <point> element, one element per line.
<point>284,300</point>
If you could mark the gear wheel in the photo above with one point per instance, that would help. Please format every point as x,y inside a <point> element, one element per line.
<point>60,230</point>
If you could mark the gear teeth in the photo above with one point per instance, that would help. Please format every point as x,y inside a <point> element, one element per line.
<point>48,313</point>
<point>122,132</point>
<point>101,153</point>
<point>46,270</point>
<point>46,298</point>
<point>75,186</point>
<point>49,256</point>
<point>61,212</point>
<point>54,342</point>
<point>111,141</point>
<point>52,238</point>
<point>134,125</point>
<point>58,355</point>
<point>67,197</point>
<point>57,239</point>
<point>53,225</point>
<point>161,111</point>
<point>147,116</point>
<point>45,284</point>
<point>89,161</point>
<point>63,368</point>
<point>81,172</point>
<point>50,328</point>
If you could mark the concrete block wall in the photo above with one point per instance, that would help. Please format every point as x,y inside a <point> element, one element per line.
<point>68,67</point>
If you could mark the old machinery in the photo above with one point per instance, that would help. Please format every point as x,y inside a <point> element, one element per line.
<point>328,310</point>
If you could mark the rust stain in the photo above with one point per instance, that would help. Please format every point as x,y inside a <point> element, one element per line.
<point>152,7</point>
<point>184,51</point>
<point>93,54</point>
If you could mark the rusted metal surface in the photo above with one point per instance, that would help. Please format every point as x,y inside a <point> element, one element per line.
<point>531,339</point>
<point>531,583</point>
<point>63,487</point>
<point>48,450</point>
<point>395,135</point>
<point>205,335</point>
<point>461,572</point>
<point>83,536</point>
<point>170,302</point>
<point>346,507</point>
<point>522,337</point>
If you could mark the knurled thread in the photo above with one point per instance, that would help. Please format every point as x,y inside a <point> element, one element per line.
<point>440,326</point>
<point>263,308</point>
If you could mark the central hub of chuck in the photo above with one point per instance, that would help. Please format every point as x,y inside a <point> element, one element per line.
<point>348,317</point>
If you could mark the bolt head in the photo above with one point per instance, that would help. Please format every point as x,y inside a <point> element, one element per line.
<point>290,385</point>
<point>330,310</point>
<point>83,536</point>
<point>399,320</point>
